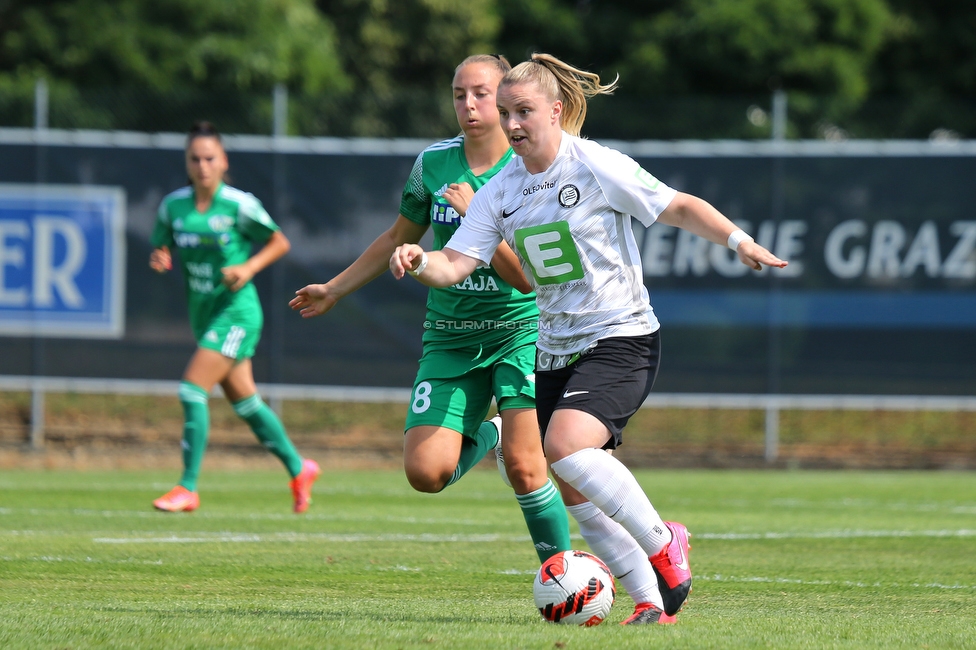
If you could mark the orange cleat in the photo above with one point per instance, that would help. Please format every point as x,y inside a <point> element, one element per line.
<point>179,499</point>
<point>648,613</point>
<point>301,485</point>
<point>672,568</point>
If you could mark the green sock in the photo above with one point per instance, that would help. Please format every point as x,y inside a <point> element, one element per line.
<point>270,431</point>
<point>196,427</point>
<point>474,449</point>
<point>545,515</point>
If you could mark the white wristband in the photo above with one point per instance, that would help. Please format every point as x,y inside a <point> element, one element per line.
<point>737,237</point>
<point>420,267</point>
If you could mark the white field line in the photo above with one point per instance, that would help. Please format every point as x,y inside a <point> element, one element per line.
<point>953,507</point>
<point>526,572</point>
<point>269,516</point>
<point>89,560</point>
<point>840,583</point>
<point>201,538</point>
<point>204,537</point>
<point>836,534</point>
<point>355,491</point>
<point>797,581</point>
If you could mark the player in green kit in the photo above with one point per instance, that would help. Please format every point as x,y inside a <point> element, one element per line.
<point>479,339</point>
<point>214,226</point>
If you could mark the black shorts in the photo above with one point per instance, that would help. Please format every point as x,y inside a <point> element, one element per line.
<point>609,381</point>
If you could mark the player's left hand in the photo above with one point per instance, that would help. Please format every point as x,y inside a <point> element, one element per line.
<point>754,256</point>
<point>459,195</point>
<point>236,276</point>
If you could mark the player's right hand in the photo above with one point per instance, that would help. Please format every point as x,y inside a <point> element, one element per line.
<point>405,257</point>
<point>160,260</point>
<point>459,195</point>
<point>313,300</point>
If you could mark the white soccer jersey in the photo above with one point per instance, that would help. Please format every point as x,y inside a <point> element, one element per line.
<point>570,226</point>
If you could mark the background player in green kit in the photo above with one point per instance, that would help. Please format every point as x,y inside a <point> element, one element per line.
<point>480,334</point>
<point>214,226</point>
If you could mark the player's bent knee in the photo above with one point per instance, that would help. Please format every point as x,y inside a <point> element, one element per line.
<point>424,481</point>
<point>526,476</point>
<point>526,484</point>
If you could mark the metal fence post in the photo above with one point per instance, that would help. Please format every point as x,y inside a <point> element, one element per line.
<point>772,431</point>
<point>280,106</point>
<point>40,104</point>
<point>779,115</point>
<point>37,416</point>
<point>41,111</point>
<point>278,406</point>
<point>279,180</point>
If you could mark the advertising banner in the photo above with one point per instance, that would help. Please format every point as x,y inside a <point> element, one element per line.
<point>62,261</point>
<point>881,243</point>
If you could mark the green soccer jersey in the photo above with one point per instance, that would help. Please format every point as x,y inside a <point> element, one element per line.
<point>221,236</point>
<point>482,308</point>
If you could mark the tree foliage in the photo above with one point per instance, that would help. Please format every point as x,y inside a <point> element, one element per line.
<point>220,44</point>
<point>668,48</point>
<point>179,49</point>
<point>401,57</point>
<point>688,68</point>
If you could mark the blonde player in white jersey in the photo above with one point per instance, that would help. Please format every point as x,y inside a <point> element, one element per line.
<point>565,205</point>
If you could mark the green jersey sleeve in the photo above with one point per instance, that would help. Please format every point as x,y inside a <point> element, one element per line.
<point>415,201</point>
<point>162,234</point>
<point>253,220</point>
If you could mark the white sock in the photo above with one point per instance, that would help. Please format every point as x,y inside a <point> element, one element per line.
<point>611,487</point>
<point>621,552</point>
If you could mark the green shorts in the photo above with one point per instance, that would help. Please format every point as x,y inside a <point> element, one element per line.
<point>454,388</point>
<point>232,337</point>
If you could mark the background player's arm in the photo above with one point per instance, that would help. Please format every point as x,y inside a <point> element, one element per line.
<point>161,260</point>
<point>316,299</point>
<point>701,218</point>
<point>238,275</point>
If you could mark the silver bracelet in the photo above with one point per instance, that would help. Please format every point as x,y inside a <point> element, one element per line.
<point>420,267</point>
<point>737,237</point>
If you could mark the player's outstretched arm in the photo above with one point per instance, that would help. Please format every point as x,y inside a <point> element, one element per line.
<point>701,218</point>
<point>435,269</point>
<point>316,299</point>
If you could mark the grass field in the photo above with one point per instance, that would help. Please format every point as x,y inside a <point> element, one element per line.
<point>781,559</point>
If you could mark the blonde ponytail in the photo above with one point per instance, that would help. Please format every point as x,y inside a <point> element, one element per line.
<point>559,80</point>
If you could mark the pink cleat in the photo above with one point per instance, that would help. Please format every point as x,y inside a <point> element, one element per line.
<point>179,499</point>
<point>648,613</point>
<point>673,570</point>
<point>301,485</point>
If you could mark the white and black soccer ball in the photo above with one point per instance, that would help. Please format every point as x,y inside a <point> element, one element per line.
<point>575,588</point>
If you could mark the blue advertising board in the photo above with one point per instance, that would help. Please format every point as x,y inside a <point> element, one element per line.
<point>873,244</point>
<point>879,296</point>
<point>62,261</point>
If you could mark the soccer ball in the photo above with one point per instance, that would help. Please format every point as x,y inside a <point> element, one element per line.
<point>574,587</point>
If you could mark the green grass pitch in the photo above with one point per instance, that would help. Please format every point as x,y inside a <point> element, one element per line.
<point>781,560</point>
